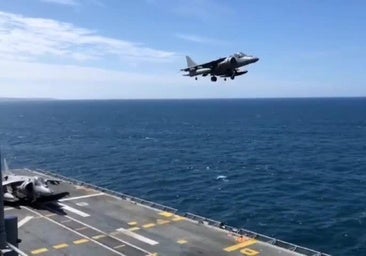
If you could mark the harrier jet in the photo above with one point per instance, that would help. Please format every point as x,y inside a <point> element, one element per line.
<point>222,67</point>
<point>28,188</point>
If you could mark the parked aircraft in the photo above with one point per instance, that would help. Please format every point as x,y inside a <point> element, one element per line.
<point>28,188</point>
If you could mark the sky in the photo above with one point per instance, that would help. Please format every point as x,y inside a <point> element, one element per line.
<point>94,49</point>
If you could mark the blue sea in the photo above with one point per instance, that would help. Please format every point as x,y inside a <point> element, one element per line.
<point>294,169</point>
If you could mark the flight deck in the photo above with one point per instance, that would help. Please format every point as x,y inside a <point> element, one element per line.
<point>97,221</point>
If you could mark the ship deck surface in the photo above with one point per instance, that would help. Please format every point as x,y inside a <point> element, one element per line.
<point>94,222</point>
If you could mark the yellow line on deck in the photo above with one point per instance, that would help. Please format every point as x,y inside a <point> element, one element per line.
<point>249,252</point>
<point>166,214</point>
<point>132,223</point>
<point>38,251</point>
<point>118,246</point>
<point>81,241</point>
<point>182,241</point>
<point>65,221</point>
<point>134,229</point>
<point>240,245</point>
<point>98,236</point>
<point>178,218</point>
<point>161,222</point>
<point>60,246</point>
<point>150,225</point>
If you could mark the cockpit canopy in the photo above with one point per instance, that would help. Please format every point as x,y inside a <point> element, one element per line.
<point>239,55</point>
<point>39,181</point>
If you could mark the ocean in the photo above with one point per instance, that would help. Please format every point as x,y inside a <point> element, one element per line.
<point>294,169</point>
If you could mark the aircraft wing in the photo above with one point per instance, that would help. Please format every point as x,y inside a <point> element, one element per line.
<point>209,65</point>
<point>12,182</point>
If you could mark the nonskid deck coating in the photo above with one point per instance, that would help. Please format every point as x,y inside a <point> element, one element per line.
<point>91,222</point>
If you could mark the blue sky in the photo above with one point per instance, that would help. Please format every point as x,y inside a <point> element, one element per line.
<point>82,49</point>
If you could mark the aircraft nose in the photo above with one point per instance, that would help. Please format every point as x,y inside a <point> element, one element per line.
<point>255,59</point>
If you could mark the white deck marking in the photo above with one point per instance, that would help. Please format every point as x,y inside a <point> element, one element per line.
<point>80,197</point>
<point>8,208</point>
<point>78,233</point>
<point>76,211</point>
<point>104,233</point>
<point>82,204</point>
<point>137,236</point>
<point>25,220</point>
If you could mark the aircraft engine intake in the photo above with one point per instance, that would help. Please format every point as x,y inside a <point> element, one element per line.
<point>26,187</point>
<point>229,62</point>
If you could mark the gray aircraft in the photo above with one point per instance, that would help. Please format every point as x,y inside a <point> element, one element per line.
<point>222,67</point>
<point>28,188</point>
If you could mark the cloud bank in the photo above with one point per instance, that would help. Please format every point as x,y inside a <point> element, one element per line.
<point>24,38</point>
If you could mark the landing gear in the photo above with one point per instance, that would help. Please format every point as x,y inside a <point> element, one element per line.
<point>213,78</point>
<point>232,77</point>
<point>225,79</point>
<point>196,78</point>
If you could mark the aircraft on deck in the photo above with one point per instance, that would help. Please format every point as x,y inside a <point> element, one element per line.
<point>28,188</point>
<point>222,67</point>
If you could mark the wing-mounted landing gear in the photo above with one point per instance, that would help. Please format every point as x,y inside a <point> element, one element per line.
<point>232,77</point>
<point>196,78</point>
<point>213,78</point>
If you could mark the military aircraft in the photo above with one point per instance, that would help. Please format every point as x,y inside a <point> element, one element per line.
<point>222,67</point>
<point>28,188</point>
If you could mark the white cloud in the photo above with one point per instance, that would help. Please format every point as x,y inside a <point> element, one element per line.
<point>199,39</point>
<point>33,38</point>
<point>62,2</point>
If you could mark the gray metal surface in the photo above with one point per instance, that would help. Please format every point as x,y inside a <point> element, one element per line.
<point>94,221</point>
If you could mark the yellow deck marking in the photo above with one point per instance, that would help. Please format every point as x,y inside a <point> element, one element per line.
<point>153,254</point>
<point>118,246</point>
<point>38,251</point>
<point>114,233</point>
<point>81,241</point>
<point>60,246</point>
<point>132,223</point>
<point>249,252</point>
<point>166,214</point>
<point>240,245</point>
<point>178,218</point>
<point>98,237</point>
<point>150,225</point>
<point>81,228</point>
<point>134,229</point>
<point>65,221</point>
<point>181,241</point>
<point>161,222</point>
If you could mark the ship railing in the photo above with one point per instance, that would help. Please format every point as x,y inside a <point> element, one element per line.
<point>202,220</point>
<point>194,217</point>
<point>111,192</point>
<point>280,243</point>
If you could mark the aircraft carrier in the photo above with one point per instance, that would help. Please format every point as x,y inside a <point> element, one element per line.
<point>97,221</point>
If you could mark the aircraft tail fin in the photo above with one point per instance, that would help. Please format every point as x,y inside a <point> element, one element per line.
<point>6,167</point>
<point>190,62</point>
